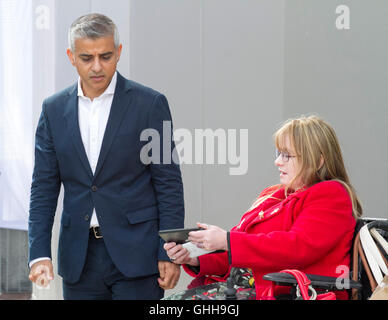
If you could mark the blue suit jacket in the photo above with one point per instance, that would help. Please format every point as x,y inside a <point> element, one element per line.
<point>132,200</point>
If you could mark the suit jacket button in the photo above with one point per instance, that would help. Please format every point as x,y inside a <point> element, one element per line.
<point>94,188</point>
<point>87,217</point>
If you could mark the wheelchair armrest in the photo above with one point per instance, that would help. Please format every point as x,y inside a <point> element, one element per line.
<point>318,282</point>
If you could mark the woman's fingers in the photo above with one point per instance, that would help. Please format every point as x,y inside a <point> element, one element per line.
<point>198,236</point>
<point>182,256</point>
<point>203,225</point>
<point>176,253</point>
<point>169,245</point>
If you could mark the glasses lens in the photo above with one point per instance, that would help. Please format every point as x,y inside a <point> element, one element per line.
<point>285,156</point>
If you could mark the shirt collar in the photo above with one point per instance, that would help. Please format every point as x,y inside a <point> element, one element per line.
<point>110,90</point>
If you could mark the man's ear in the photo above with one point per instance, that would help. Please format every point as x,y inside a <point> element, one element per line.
<point>119,49</point>
<point>71,56</point>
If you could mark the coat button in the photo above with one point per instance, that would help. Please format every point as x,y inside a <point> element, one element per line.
<point>87,217</point>
<point>94,188</point>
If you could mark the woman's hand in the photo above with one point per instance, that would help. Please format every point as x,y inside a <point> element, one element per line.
<point>179,255</point>
<point>212,238</point>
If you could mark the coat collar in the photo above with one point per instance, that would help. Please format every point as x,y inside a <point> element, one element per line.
<point>268,209</point>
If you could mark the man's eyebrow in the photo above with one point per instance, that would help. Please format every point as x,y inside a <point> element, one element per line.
<point>90,55</point>
<point>85,55</point>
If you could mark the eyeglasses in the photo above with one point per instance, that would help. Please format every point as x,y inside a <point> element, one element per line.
<point>285,156</point>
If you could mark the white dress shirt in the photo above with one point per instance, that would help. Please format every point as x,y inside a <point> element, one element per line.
<point>92,118</point>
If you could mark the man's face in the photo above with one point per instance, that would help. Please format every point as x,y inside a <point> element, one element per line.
<point>95,61</point>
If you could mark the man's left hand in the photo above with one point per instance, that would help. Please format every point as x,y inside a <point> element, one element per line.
<point>169,274</point>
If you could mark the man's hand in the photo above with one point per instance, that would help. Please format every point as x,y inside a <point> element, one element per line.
<point>42,273</point>
<point>169,274</point>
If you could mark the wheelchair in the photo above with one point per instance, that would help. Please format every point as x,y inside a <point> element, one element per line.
<point>361,282</point>
<point>359,286</point>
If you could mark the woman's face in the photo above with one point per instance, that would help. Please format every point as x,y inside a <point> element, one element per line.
<point>288,164</point>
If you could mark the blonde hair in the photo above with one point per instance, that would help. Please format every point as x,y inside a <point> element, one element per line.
<point>316,145</point>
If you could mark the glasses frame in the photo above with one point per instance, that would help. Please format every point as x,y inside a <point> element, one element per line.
<point>284,155</point>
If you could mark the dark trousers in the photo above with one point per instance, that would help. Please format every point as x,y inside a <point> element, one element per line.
<point>101,280</point>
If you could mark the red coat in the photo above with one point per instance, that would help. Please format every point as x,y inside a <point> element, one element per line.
<point>311,230</point>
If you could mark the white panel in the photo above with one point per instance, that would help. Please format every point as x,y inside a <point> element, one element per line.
<point>16,143</point>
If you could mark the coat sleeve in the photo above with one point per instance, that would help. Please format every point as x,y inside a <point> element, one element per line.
<point>212,264</point>
<point>324,219</point>
<point>219,264</point>
<point>45,189</point>
<point>165,173</point>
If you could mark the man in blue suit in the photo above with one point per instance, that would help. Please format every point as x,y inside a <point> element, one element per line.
<point>88,140</point>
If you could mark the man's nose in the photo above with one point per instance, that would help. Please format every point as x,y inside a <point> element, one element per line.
<point>96,67</point>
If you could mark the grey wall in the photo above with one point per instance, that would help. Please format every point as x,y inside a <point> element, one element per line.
<point>342,76</point>
<point>250,65</point>
<point>220,68</point>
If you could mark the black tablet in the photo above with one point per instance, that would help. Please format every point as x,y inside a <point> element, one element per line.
<point>179,236</point>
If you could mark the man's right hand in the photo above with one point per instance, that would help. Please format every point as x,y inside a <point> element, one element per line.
<point>42,273</point>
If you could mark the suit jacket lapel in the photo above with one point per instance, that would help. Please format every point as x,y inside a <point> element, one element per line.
<point>71,118</point>
<point>119,107</point>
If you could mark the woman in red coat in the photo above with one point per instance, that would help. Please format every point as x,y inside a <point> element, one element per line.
<point>306,222</point>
